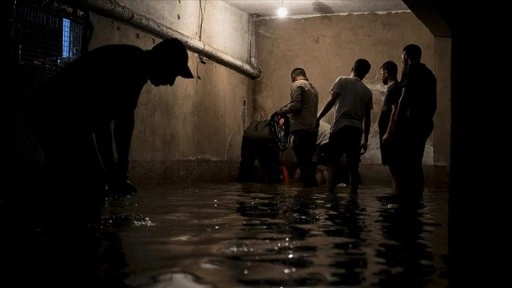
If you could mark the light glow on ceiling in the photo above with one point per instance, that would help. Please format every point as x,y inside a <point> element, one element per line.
<point>282,11</point>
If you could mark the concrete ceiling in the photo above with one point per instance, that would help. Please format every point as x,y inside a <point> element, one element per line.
<point>268,8</point>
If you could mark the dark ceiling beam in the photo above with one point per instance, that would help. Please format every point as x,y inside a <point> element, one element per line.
<point>436,15</point>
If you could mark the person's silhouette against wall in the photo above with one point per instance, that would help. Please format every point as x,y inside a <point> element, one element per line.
<point>353,102</point>
<point>89,105</point>
<point>389,77</point>
<point>262,142</point>
<point>414,122</point>
<point>302,110</point>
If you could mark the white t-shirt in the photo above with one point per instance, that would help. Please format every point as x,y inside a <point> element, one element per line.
<point>354,99</point>
<point>324,130</point>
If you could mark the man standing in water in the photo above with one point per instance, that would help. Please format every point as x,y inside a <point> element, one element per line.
<point>414,121</point>
<point>389,72</point>
<point>88,108</point>
<point>302,110</point>
<point>353,100</point>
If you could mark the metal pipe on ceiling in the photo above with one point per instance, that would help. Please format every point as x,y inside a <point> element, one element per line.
<point>123,13</point>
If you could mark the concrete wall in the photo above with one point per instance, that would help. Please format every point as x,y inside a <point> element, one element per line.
<point>327,46</point>
<point>214,22</point>
<point>443,70</point>
<point>192,130</point>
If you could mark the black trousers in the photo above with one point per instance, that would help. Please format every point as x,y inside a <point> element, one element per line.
<point>410,145</point>
<point>347,141</point>
<point>304,147</point>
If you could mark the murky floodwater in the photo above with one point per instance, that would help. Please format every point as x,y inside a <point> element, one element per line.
<point>252,235</point>
<point>241,235</point>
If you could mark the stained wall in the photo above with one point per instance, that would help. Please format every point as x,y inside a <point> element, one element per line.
<point>327,46</point>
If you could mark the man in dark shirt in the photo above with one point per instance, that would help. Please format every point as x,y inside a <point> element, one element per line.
<point>414,120</point>
<point>264,141</point>
<point>388,153</point>
<point>86,109</point>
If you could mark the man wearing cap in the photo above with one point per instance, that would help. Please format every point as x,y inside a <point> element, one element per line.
<point>87,108</point>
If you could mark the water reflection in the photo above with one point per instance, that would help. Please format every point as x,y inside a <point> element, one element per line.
<point>239,235</point>
<point>281,221</point>
<point>406,252</point>
<point>350,260</point>
<point>339,239</point>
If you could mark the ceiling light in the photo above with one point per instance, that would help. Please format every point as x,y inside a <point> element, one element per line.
<point>282,11</point>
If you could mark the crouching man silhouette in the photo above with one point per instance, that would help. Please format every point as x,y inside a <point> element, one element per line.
<point>83,115</point>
